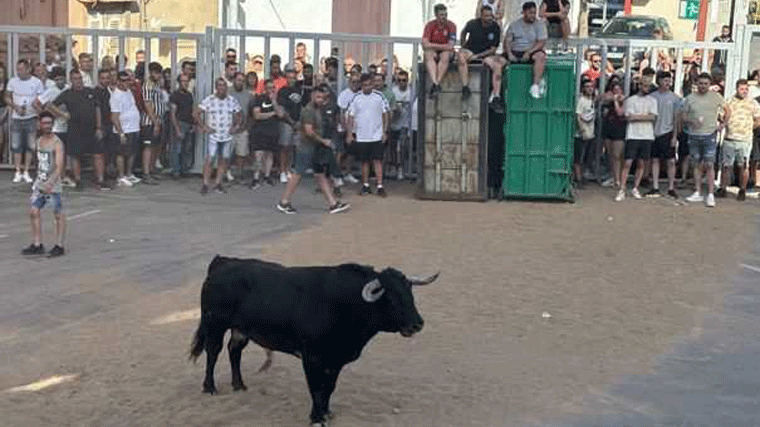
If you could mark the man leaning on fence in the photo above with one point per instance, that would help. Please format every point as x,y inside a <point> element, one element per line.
<point>20,94</point>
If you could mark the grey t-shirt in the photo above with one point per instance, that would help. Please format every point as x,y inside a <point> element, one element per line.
<point>668,104</point>
<point>244,99</point>
<point>525,35</point>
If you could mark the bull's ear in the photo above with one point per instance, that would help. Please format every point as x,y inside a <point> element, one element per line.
<point>372,291</point>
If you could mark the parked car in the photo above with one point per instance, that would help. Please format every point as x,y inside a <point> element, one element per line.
<point>632,27</point>
<point>600,13</point>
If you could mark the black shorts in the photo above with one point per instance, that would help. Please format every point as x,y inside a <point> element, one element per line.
<point>581,147</point>
<point>147,137</point>
<point>638,149</point>
<point>661,148</point>
<point>367,151</point>
<point>79,144</point>
<point>683,145</point>
<point>613,131</point>
<point>519,56</point>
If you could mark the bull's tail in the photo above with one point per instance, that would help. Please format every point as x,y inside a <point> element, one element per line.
<point>267,362</point>
<point>199,341</point>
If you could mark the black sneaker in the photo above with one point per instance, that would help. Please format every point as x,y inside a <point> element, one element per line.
<point>339,207</point>
<point>103,187</point>
<point>655,192</point>
<point>496,105</point>
<point>286,208</point>
<point>269,181</point>
<point>673,194</point>
<point>381,192</point>
<point>33,250</point>
<point>337,192</point>
<point>721,193</point>
<point>147,179</point>
<point>255,184</point>
<point>219,189</point>
<point>742,196</point>
<point>204,189</point>
<point>365,190</point>
<point>466,93</point>
<point>56,251</point>
<point>156,177</point>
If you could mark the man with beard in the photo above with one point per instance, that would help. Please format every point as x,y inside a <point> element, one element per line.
<point>641,113</point>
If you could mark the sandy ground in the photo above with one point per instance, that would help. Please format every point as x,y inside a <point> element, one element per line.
<point>620,283</point>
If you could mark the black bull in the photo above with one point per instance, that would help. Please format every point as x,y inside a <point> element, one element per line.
<point>322,315</point>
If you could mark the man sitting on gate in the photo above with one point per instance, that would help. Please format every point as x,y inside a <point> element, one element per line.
<point>438,42</point>
<point>480,38</point>
<point>524,43</point>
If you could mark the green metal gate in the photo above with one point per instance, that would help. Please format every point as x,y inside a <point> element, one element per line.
<point>538,133</point>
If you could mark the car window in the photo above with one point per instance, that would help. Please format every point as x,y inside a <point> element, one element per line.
<point>636,27</point>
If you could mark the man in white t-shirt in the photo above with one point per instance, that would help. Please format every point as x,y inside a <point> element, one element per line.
<point>401,122</point>
<point>222,119</point>
<point>342,153</point>
<point>641,113</point>
<point>368,120</point>
<point>21,93</point>
<point>126,124</point>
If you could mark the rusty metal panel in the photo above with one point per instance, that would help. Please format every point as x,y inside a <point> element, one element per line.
<point>454,137</point>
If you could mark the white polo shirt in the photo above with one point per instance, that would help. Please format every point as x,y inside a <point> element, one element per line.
<point>367,111</point>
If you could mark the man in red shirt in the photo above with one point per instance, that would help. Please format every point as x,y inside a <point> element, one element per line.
<point>438,42</point>
<point>595,70</point>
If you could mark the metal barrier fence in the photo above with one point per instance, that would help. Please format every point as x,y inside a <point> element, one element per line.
<point>208,50</point>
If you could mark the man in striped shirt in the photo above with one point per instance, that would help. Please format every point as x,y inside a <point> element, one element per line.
<point>150,122</point>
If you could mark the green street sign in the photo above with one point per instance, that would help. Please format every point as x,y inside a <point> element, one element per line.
<point>690,9</point>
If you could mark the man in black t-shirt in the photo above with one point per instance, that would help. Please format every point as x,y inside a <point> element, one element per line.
<point>84,121</point>
<point>181,116</point>
<point>556,14</point>
<point>480,38</point>
<point>289,98</point>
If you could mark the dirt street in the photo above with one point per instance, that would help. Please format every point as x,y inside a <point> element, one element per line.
<point>539,305</point>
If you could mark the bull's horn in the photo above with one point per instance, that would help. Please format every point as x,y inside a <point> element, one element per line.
<point>372,291</point>
<point>418,281</point>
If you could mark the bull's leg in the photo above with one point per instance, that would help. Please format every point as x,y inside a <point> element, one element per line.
<point>235,347</point>
<point>321,380</point>
<point>214,345</point>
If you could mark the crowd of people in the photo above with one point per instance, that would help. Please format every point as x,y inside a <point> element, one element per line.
<point>259,129</point>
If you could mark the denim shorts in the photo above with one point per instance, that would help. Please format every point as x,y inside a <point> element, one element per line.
<point>23,135</point>
<point>735,151</point>
<point>216,148</point>
<point>702,148</point>
<point>40,200</point>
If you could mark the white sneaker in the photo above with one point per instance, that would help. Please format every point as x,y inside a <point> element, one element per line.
<point>124,182</point>
<point>17,178</point>
<point>283,178</point>
<point>710,201</point>
<point>620,196</point>
<point>133,179</point>
<point>68,182</point>
<point>696,198</point>
<point>400,175</point>
<point>230,178</point>
<point>635,193</point>
<point>535,91</point>
<point>26,177</point>
<point>158,164</point>
<point>338,182</point>
<point>609,182</point>
<point>350,178</point>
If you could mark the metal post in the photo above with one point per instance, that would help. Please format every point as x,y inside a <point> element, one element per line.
<point>267,51</point>
<point>389,66</point>
<point>42,49</point>
<point>173,64</point>
<point>365,56</point>
<point>148,54</point>
<point>15,54</point>
<point>678,85</point>
<point>241,54</point>
<point>68,54</point>
<point>120,58</point>
<point>95,56</point>
<point>315,60</point>
<point>628,62</point>
<point>291,50</point>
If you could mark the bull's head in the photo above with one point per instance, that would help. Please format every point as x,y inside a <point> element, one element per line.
<point>394,291</point>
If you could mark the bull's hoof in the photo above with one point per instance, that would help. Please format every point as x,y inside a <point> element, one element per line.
<point>209,389</point>
<point>239,387</point>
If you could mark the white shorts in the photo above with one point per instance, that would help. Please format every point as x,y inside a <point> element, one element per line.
<point>240,143</point>
<point>215,148</point>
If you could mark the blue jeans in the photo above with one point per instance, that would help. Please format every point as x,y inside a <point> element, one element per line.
<point>182,149</point>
